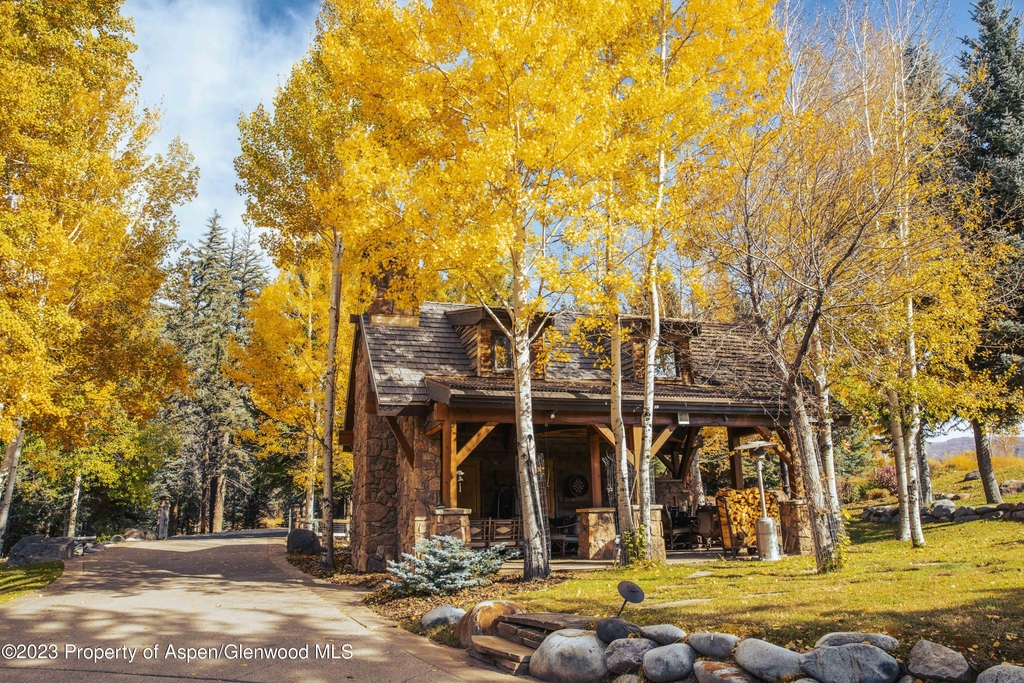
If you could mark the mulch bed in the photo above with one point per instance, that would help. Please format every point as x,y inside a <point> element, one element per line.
<point>404,609</point>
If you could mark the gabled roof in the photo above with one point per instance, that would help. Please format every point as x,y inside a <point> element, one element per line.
<point>416,365</point>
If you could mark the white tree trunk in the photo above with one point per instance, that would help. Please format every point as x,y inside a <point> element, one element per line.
<point>647,418</point>
<point>12,456</point>
<point>623,504</point>
<point>695,485</point>
<point>536,564</point>
<point>311,485</point>
<point>803,436</point>
<point>899,456</point>
<point>924,470</point>
<point>827,445</point>
<point>330,385</point>
<point>76,492</point>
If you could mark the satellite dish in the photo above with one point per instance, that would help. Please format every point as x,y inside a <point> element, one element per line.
<point>630,592</point>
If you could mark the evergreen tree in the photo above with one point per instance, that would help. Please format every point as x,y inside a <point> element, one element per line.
<point>992,118</point>
<point>207,297</point>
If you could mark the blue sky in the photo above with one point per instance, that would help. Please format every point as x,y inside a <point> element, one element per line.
<point>206,62</point>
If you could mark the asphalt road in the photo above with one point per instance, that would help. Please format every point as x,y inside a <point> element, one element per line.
<point>145,611</point>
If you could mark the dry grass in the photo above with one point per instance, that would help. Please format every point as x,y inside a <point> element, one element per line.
<point>968,461</point>
<point>16,581</point>
<point>949,478</point>
<point>965,590</point>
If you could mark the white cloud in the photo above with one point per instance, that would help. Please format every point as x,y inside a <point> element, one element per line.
<point>204,64</point>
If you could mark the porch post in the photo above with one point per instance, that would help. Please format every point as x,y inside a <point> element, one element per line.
<point>595,470</point>
<point>449,479</point>
<point>737,459</point>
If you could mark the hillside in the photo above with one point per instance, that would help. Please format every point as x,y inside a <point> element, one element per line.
<point>1001,445</point>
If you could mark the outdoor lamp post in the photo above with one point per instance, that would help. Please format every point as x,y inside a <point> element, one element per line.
<point>767,532</point>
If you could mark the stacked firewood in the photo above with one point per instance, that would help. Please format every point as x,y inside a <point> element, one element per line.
<point>744,508</point>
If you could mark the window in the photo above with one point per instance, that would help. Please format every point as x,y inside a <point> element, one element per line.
<point>666,362</point>
<point>501,346</point>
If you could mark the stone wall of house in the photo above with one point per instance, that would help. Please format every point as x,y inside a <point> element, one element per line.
<point>669,492</point>
<point>375,538</point>
<point>419,483</point>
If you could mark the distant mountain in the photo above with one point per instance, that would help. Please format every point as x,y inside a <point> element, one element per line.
<point>1001,445</point>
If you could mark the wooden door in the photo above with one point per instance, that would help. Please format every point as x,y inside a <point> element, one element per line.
<point>469,495</point>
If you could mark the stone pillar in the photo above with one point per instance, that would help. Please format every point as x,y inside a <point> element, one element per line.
<point>450,522</point>
<point>163,518</point>
<point>597,533</point>
<point>657,533</point>
<point>795,523</point>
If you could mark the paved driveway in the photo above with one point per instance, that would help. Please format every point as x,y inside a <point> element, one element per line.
<point>141,611</point>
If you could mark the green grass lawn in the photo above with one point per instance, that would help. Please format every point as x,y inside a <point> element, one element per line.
<point>964,590</point>
<point>16,581</point>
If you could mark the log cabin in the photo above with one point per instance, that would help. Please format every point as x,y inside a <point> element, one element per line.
<point>430,420</point>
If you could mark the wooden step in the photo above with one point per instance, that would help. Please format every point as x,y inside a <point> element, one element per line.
<point>500,648</point>
<point>513,668</point>
<point>549,621</point>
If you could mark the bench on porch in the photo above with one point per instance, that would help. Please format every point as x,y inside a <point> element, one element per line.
<point>489,531</point>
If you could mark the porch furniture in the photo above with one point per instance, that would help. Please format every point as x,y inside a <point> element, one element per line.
<point>507,531</point>
<point>709,528</point>
<point>679,530</point>
<point>479,533</point>
<point>564,535</point>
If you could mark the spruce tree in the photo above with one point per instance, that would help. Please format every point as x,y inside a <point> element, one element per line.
<point>992,118</point>
<point>207,297</point>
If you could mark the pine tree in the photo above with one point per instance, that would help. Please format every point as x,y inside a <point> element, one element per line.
<point>992,117</point>
<point>208,296</point>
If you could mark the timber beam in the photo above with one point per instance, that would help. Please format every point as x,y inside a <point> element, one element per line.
<point>474,441</point>
<point>403,442</point>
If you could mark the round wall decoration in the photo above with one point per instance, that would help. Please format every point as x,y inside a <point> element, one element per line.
<point>577,485</point>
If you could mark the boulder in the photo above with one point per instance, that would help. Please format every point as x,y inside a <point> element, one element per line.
<point>992,516</point>
<point>303,542</point>
<point>968,518</point>
<point>965,510</point>
<point>481,620</point>
<point>879,640</point>
<point>961,496</point>
<point>1011,486</point>
<point>445,615</point>
<point>669,663</point>
<point>1004,673</point>
<point>983,510</point>
<point>1018,515</point>
<point>139,535</point>
<point>34,549</point>
<point>930,660</point>
<point>616,629</point>
<point>626,655</point>
<point>973,475</point>
<point>943,504</point>
<point>569,656</point>
<point>850,663</point>
<point>708,671</point>
<point>663,634</point>
<point>714,645</point>
<point>769,662</point>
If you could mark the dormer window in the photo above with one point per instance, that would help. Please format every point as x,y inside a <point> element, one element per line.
<point>667,362</point>
<point>501,348</point>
